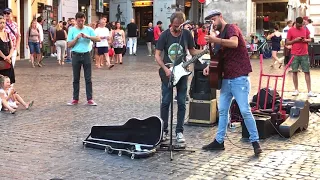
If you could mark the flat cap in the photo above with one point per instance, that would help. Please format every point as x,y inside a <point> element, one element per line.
<point>212,13</point>
<point>7,10</point>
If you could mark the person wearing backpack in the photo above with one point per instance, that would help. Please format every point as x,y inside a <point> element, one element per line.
<point>33,43</point>
<point>13,30</point>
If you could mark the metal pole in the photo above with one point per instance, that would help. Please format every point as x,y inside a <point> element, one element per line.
<point>202,13</point>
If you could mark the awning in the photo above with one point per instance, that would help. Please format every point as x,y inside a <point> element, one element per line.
<point>84,2</point>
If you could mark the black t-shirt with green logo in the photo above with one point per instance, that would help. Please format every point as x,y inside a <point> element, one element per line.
<point>169,44</point>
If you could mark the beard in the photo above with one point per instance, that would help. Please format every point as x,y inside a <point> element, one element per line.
<point>218,27</point>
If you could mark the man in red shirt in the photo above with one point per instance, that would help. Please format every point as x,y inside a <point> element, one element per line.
<point>236,81</point>
<point>157,32</point>
<point>299,37</point>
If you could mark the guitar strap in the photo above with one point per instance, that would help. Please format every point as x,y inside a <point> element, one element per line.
<point>222,36</point>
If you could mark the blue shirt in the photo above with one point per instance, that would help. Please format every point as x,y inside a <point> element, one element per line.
<point>83,44</point>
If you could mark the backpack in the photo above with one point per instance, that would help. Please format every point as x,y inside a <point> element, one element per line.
<point>269,99</point>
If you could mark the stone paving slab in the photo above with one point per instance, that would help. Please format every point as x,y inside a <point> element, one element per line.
<point>46,142</point>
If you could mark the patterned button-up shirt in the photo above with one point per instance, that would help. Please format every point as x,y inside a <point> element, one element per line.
<point>13,36</point>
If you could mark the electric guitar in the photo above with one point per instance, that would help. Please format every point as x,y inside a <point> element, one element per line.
<point>180,70</point>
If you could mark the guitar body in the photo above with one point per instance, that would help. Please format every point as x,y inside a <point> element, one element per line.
<point>216,63</point>
<point>181,69</point>
<point>179,72</point>
<point>216,68</point>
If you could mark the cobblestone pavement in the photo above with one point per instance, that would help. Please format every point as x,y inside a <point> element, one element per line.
<point>46,142</point>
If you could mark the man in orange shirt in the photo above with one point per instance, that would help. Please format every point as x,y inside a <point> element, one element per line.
<point>157,32</point>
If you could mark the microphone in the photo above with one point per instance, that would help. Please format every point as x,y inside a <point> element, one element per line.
<point>184,23</point>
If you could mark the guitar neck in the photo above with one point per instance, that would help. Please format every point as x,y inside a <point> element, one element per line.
<point>194,58</point>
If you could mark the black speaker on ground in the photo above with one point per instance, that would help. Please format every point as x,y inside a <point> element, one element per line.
<point>265,126</point>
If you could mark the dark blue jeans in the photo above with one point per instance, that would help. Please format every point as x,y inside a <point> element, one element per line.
<point>181,100</point>
<point>78,60</point>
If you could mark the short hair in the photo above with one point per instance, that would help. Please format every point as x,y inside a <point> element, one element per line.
<point>178,15</point>
<point>80,15</point>
<point>39,19</point>
<point>159,22</point>
<point>299,20</point>
<point>289,22</point>
<point>64,23</point>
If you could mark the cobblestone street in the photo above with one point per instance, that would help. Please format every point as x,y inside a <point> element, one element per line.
<point>46,141</point>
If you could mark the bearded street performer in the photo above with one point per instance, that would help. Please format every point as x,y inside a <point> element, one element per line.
<point>236,81</point>
<point>174,42</point>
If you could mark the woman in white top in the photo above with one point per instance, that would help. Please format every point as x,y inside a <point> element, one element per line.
<point>9,97</point>
<point>103,45</point>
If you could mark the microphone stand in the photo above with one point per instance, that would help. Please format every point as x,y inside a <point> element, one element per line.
<point>170,147</point>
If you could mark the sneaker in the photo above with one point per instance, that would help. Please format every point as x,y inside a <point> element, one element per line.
<point>256,148</point>
<point>149,55</point>
<point>68,61</point>
<point>52,55</point>
<point>180,138</point>
<point>311,94</point>
<point>91,103</point>
<point>165,136</point>
<point>214,146</point>
<point>73,102</point>
<point>295,93</point>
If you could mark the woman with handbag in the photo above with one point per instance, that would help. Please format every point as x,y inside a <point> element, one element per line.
<point>6,51</point>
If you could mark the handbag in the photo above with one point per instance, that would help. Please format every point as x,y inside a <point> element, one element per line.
<point>124,50</point>
<point>4,65</point>
<point>111,52</point>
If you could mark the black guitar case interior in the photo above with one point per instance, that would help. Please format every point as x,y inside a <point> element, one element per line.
<point>136,138</point>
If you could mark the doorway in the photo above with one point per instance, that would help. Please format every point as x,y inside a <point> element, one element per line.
<point>22,43</point>
<point>143,16</point>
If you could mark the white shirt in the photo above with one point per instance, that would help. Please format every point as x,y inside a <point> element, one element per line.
<point>102,32</point>
<point>311,29</point>
<point>39,27</point>
<point>285,32</point>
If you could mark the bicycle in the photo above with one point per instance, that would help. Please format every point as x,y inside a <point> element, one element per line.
<point>263,48</point>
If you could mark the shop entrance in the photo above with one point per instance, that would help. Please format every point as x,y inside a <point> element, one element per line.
<point>269,14</point>
<point>22,43</point>
<point>143,16</point>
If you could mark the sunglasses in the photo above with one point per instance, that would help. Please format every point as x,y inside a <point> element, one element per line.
<point>6,13</point>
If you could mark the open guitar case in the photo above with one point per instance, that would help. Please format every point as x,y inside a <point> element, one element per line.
<point>136,138</point>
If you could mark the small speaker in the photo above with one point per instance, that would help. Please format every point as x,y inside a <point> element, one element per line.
<point>264,126</point>
<point>202,112</point>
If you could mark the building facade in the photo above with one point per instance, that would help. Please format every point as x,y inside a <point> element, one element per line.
<point>259,16</point>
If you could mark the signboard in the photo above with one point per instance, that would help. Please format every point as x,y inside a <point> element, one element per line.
<point>99,4</point>
<point>142,3</point>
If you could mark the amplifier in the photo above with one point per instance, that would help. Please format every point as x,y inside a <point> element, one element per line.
<point>202,112</point>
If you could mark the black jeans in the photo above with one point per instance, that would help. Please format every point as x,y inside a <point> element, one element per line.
<point>78,60</point>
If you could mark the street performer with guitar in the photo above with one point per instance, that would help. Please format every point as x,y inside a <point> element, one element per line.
<point>235,67</point>
<point>174,42</point>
